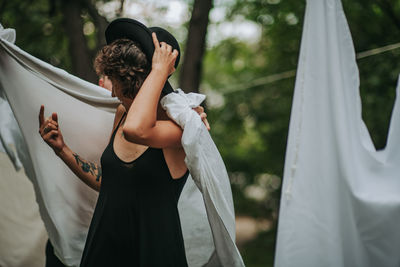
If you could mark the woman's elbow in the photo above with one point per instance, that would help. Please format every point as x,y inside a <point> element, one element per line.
<point>135,134</point>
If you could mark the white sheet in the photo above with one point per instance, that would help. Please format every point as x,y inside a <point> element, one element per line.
<point>23,236</point>
<point>340,201</point>
<point>85,114</point>
<point>65,203</point>
<point>208,171</point>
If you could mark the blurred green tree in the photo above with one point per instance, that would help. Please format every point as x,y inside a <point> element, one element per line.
<point>65,33</point>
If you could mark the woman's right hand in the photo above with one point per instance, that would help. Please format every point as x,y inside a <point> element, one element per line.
<point>163,57</point>
<point>51,134</point>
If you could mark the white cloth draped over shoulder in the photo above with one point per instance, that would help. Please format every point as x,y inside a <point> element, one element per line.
<point>208,172</point>
<point>340,201</point>
<point>86,114</point>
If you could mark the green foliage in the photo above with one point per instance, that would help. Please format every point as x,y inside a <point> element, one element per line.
<point>374,24</point>
<point>251,128</point>
<point>39,30</point>
<point>254,257</point>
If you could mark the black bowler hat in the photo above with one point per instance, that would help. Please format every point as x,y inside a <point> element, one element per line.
<point>139,33</point>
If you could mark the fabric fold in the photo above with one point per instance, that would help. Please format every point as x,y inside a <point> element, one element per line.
<point>208,172</point>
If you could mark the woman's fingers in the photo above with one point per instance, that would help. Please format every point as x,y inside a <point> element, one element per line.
<point>49,127</point>
<point>203,116</point>
<point>207,124</point>
<point>41,116</point>
<point>205,121</point>
<point>169,48</point>
<point>49,135</point>
<point>54,123</point>
<point>155,40</point>
<point>54,117</point>
<point>44,122</point>
<point>164,56</point>
<point>199,109</point>
<point>162,45</point>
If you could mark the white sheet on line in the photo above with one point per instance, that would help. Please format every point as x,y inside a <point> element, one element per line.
<point>86,116</point>
<point>340,201</point>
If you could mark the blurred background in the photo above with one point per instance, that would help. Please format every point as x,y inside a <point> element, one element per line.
<point>243,55</point>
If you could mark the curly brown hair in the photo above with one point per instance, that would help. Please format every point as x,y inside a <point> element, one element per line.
<point>124,63</point>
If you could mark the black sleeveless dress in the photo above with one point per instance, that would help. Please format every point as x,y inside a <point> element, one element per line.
<point>136,220</point>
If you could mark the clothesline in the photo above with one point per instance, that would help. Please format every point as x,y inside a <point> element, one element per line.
<point>292,73</point>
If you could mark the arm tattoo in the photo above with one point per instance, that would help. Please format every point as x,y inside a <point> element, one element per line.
<point>89,167</point>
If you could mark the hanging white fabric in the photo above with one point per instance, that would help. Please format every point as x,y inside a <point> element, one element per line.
<point>65,203</point>
<point>86,114</point>
<point>208,171</point>
<point>340,201</point>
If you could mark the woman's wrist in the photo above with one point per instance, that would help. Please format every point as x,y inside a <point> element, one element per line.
<point>159,71</point>
<point>62,152</point>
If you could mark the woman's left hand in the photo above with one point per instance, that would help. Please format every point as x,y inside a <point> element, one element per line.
<point>163,57</point>
<point>203,116</point>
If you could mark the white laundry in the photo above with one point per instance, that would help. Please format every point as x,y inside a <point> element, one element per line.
<point>208,171</point>
<point>23,236</point>
<point>65,203</point>
<point>86,113</point>
<point>340,201</point>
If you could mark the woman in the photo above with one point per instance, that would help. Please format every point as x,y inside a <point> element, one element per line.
<point>142,172</point>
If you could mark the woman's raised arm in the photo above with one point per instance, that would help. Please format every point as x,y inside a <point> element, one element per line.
<point>141,125</point>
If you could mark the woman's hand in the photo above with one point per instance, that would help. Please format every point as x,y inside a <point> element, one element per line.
<point>163,57</point>
<point>203,116</point>
<point>49,131</point>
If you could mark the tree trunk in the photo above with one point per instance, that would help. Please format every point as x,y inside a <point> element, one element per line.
<point>100,23</point>
<point>80,55</point>
<point>190,75</point>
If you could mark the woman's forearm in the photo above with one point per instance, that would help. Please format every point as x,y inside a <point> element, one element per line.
<point>141,124</point>
<point>88,172</point>
<point>142,114</point>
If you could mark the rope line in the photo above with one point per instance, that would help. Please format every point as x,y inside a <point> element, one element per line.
<point>292,73</point>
